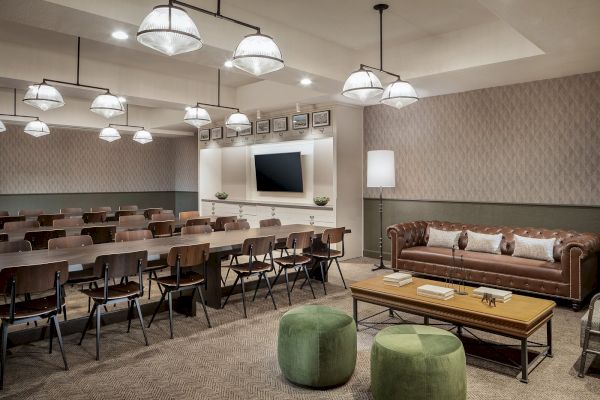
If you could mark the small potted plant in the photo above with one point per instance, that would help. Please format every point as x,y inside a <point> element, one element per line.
<point>321,200</point>
<point>221,195</point>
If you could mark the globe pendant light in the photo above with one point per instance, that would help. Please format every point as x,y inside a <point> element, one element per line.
<point>108,105</point>
<point>36,128</point>
<point>170,30</point>
<point>238,121</point>
<point>197,117</point>
<point>257,54</point>
<point>109,134</point>
<point>362,85</point>
<point>142,136</point>
<point>43,96</point>
<point>2,127</point>
<point>399,94</point>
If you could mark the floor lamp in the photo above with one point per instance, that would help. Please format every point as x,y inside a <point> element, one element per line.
<point>381,172</point>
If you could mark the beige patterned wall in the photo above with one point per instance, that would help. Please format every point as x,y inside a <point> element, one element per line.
<point>537,142</point>
<point>76,161</point>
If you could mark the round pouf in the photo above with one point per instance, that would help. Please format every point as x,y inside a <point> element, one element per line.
<point>415,362</point>
<point>317,346</point>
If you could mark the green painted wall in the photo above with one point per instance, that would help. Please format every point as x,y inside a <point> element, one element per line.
<point>580,218</point>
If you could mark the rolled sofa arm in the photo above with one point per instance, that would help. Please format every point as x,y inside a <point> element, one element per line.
<point>408,234</point>
<point>579,259</point>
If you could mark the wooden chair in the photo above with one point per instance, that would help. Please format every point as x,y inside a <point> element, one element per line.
<point>3,237</point>
<point>221,221</point>
<point>183,257</point>
<point>48,219</point>
<point>131,220</point>
<point>71,210</point>
<point>197,221</point>
<point>128,208</point>
<point>297,260</point>
<point>31,213</point>
<point>18,225</point>
<point>125,213</point>
<point>11,218</point>
<point>100,234</point>
<point>148,212</point>
<point>15,246</point>
<point>94,217</point>
<point>117,267</point>
<point>163,217</point>
<point>39,239</point>
<point>236,226</point>
<point>196,229</point>
<point>105,209</point>
<point>152,266</point>
<point>265,223</point>
<point>4,213</point>
<point>590,330</point>
<point>67,223</point>
<point>27,280</point>
<point>185,215</point>
<point>329,255</point>
<point>161,228</point>
<point>254,248</point>
<point>69,242</point>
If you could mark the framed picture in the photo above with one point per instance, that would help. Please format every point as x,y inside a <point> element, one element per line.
<point>300,121</point>
<point>280,124</point>
<point>263,126</point>
<point>216,133</point>
<point>204,134</point>
<point>230,133</point>
<point>320,118</point>
<point>247,131</point>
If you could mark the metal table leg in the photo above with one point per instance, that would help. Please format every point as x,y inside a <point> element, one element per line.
<point>549,337</point>
<point>524,361</point>
<point>355,311</point>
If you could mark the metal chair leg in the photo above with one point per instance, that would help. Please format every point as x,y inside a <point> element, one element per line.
<point>170,297</point>
<point>162,298</point>
<point>586,340</point>
<point>60,341</point>
<point>129,315</point>
<point>275,280</point>
<point>323,277</point>
<point>3,356</point>
<point>287,286</point>
<point>341,275</point>
<point>231,291</point>
<point>294,283</point>
<point>270,292</point>
<point>257,286</point>
<point>244,296</point>
<point>203,305</point>
<point>98,323</point>
<point>139,312</point>
<point>308,279</point>
<point>149,283</point>
<point>88,323</point>
<point>50,335</point>
<point>64,311</point>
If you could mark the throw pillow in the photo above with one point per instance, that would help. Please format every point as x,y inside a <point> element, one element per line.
<point>537,249</point>
<point>483,243</point>
<point>439,238</point>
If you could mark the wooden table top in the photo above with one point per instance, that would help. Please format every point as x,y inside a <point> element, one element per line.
<point>519,317</point>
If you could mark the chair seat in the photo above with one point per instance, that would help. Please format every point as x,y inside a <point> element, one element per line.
<point>326,254</point>
<point>257,266</point>
<point>299,259</point>
<point>31,308</point>
<point>120,291</point>
<point>188,279</point>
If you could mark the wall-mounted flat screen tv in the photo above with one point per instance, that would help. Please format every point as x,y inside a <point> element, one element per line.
<point>280,172</point>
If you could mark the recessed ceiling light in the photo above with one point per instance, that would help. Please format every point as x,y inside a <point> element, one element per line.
<point>305,82</point>
<point>120,35</point>
<point>228,64</point>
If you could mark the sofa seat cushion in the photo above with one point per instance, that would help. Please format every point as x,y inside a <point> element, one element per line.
<point>496,263</point>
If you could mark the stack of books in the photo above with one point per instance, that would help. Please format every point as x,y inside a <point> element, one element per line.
<point>397,279</point>
<point>501,296</point>
<point>435,292</point>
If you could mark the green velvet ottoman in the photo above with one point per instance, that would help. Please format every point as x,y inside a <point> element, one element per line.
<point>317,346</point>
<point>418,362</point>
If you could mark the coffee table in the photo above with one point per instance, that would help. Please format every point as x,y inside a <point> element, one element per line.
<point>518,318</point>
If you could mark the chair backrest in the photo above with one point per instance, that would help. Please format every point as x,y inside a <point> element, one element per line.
<point>120,264</point>
<point>31,213</point>
<point>69,242</point>
<point>35,278</point>
<point>196,229</point>
<point>161,228</point>
<point>67,222</point>
<point>130,236</point>
<point>101,209</point>
<point>265,223</point>
<point>197,221</point>
<point>131,220</point>
<point>71,210</point>
<point>333,235</point>
<point>39,239</point>
<point>100,234</point>
<point>221,221</point>
<point>163,217</point>
<point>3,237</point>
<point>48,219</point>
<point>128,208</point>
<point>189,256</point>
<point>148,212</point>
<point>299,240</point>
<point>16,246</point>
<point>123,213</point>
<point>16,225</point>
<point>94,217</point>
<point>236,226</point>
<point>3,213</point>
<point>11,218</point>
<point>258,246</point>
<point>185,215</point>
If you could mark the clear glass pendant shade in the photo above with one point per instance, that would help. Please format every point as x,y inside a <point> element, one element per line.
<point>197,117</point>
<point>107,105</point>
<point>2,127</point>
<point>36,128</point>
<point>399,94</point>
<point>237,121</point>
<point>109,134</point>
<point>170,30</point>
<point>142,136</point>
<point>43,96</point>
<point>362,85</point>
<point>257,54</point>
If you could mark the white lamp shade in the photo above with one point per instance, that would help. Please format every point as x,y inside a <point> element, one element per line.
<point>142,136</point>
<point>107,105</point>
<point>43,96</point>
<point>381,169</point>
<point>109,134</point>
<point>197,117</point>
<point>257,54</point>
<point>36,128</point>
<point>362,85</point>
<point>2,127</point>
<point>399,94</point>
<point>237,122</point>
<point>170,30</point>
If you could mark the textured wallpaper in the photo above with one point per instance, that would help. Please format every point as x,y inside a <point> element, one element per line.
<point>537,142</point>
<point>75,161</point>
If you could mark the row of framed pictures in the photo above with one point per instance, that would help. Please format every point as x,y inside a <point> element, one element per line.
<point>264,126</point>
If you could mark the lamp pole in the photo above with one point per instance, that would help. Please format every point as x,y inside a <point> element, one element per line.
<point>381,265</point>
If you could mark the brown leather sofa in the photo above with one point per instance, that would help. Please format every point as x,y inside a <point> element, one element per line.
<point>572,276</point>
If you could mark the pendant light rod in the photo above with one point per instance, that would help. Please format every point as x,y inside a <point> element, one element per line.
<point>214,14</point>
<point>365,66</point>
<point>218,105</point>
<point>78,56</point>
<point>14,114</point>
<point>380,8</point>
<point>126,126</point>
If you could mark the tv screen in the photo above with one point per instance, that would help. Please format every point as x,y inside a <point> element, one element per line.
<point>278,172</point>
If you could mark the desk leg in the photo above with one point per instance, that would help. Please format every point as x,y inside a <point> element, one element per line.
<point>549,337</point>
<point>213,281</point>
<point>355,311</point>
<point>524,361</point>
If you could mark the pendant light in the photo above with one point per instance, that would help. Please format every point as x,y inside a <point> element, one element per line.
<point>2,127</point>
<point>142,136</point>
<point>43,96</point>
<point>109,134</point>
<point>362,85</point>
<point>196,116</point>
<point>107,105</point>
<point>257,54</point>
<point>170,30</point>
<point>36,128</point>
<point>238,121</point>
<point>399,94</point>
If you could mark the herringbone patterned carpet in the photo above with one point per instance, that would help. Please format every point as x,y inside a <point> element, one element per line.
<point>237,359</point>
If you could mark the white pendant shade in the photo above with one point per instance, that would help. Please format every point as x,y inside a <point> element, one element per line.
<point>43,96</point>
<point>108,105</point>
<point>109,134</point>
<point>197,117</point>
<point>142,137</point>
<point>381,169</point>
<point>237,121</point>
<point>170,30</point>
<point>399,94</point>
<point>36,128</point>
<point>2,127</point>
<point>362,85</point>
<point>257,54</point>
